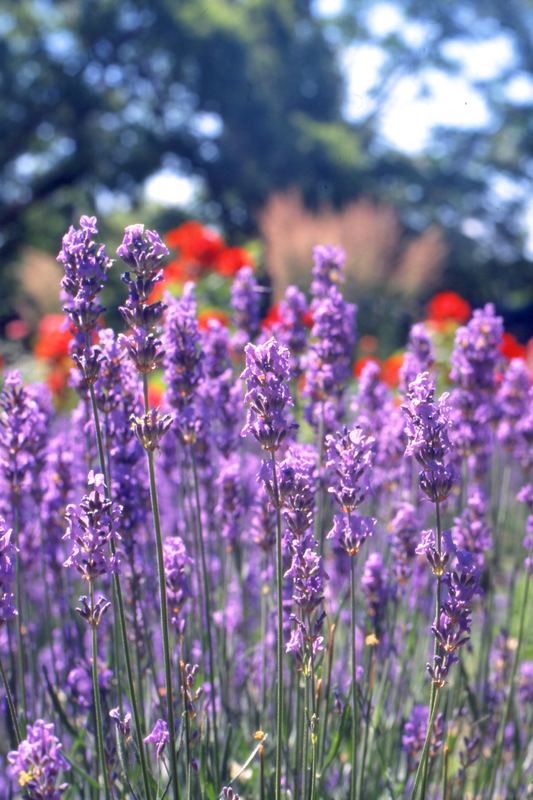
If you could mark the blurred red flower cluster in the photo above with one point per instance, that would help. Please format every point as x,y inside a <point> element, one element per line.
<point>52,345</point>
<point>199,252</point>
<point>445,312</point>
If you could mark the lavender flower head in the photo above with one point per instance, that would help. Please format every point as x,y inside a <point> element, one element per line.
<point>37,762</point>
<point>158,737</point>
<point>291,329</point>
<point>90,528</point>
<point>143,252</point>
<point>452,629</point>
<point>246,306</point>
<point>328,268</point>
<point>267,375</point>
<point>419,356</point>
<point>328,361</point>
<point>376,589</point>
<point>427,429</point>
<point>404,527</point>
<point>177,564</point>
<point>86,264</point>
<point>8,553</point>
<point>350,455</point>
<point>476,352</point>
<point>183,361</point>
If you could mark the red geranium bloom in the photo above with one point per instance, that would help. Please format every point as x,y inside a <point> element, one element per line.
<point>53,338</point>
<point>308,320</point>
<point>390,371</point>
<point>449,305</point>
<point>57,379</point>
<point>511,347</point>
<point>231,259</point>
<point>196,243</point>
<point>361,363</point>
<point>272,317</point>
<point>208,314</point>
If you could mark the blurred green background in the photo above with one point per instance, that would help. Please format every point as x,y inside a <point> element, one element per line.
<point>402,130</point>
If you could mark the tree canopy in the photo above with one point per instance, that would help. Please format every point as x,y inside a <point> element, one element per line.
<point>250,96</point>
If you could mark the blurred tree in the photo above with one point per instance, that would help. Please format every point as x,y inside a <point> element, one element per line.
<point>475,179</point>
<point>248,95</point>
<point>99,95</point>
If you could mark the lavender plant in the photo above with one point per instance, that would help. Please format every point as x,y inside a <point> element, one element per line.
<point>255,610</point>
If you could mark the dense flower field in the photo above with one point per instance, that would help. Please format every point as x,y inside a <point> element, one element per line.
<point>278,583</point>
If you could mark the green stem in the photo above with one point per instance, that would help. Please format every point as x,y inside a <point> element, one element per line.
<point>422,766</point>
<point>314,720</point>
<point>325,715</point>
<point>367,722</point>
<point>164,625</point>
<point>422,771</point>
<point>118,597</point>
<point>21,684</point>
<point>510,694</point>
<point>187,726</point>
<point>353,776</point>
<point>10,704</point>
<point>207,613</point>
<point>97,701</point>
<point>298,760</point>
<point>279,648</point>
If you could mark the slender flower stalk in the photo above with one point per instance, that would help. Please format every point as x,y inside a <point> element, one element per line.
<point>350,455</point>
<point>184,370</point>
<point>144,252</point>
<point>8,556</point>
<point>427,427</point>
<point>90,527</point>
<point>525,496</point>
<point>267,376</point>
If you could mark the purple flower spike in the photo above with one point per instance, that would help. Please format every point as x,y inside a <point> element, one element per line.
<point>142,251</point>
<point>350,454</point>
<point>90,527</point>
<point>177,565</point>
<point>419,356</point>
<point>427,427</point>
<point>267,376</point>
<point>86,264</point>
<point>184,357</point>
<point>158,737</point>
<point>328,268</point>
<point>37,762</point>
<point>8,553</point>
<point>246,306</point>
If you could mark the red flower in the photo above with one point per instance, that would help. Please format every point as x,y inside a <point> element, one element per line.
<point>361,363</point>
<point>390,371</point>
<point>448,305</point>
<point>271,318</point>
<point>57,378</point>
<point>212,313</point>
<point>308,320</point>
<point>53,338</point>
<point>511,347</point>
<point>231,259</point>
<point>196,243</point>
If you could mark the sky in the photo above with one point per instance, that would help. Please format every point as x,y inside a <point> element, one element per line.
<point>414,104</point>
